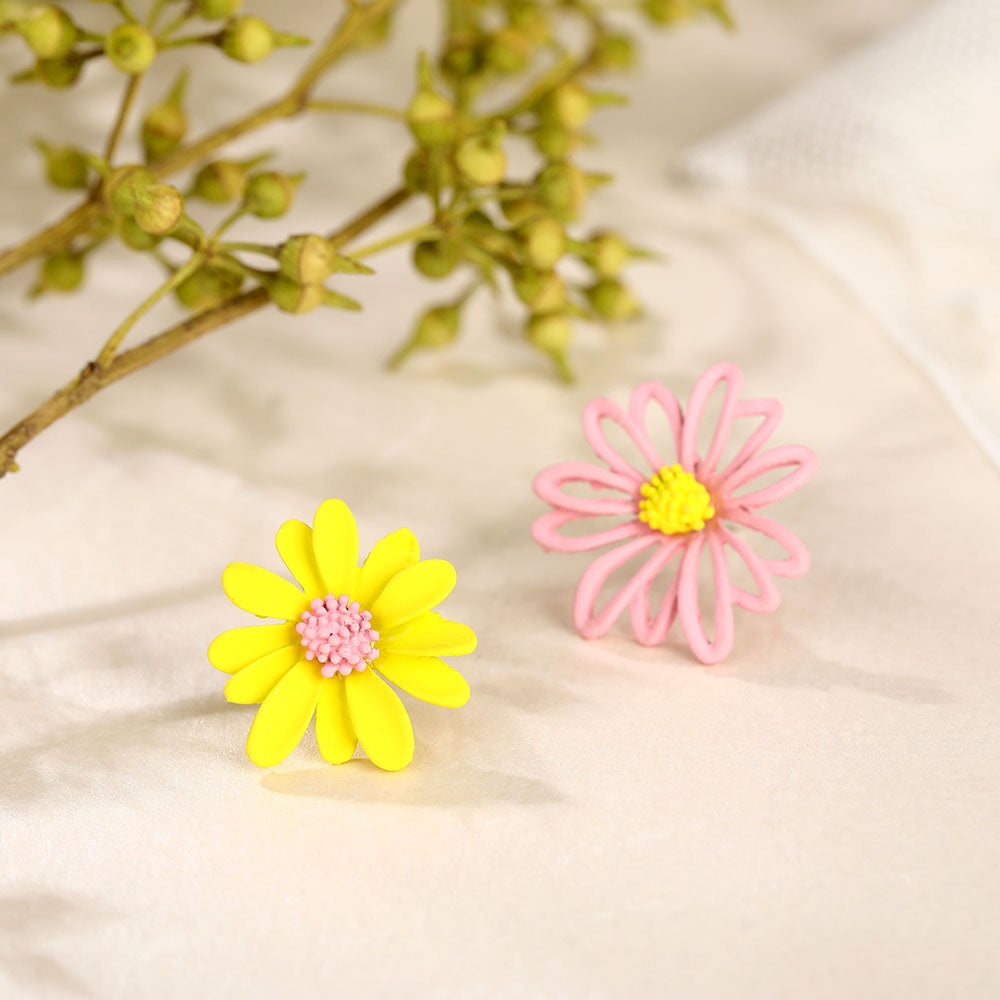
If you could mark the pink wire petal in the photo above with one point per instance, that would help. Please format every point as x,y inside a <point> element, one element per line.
<point>545,531</point>
<point>649,631</point>
<point>800,459</point>
<point>798,555</point>
<point>549,487</point>
<point>726,372</point>
<point>771,410</point>
<point>708,651</point>
<point>599,410</point>
<point>591,624</point>
<point>767,597</point>
<point>642,396</point>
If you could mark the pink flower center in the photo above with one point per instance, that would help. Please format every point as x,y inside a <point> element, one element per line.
<point>338,634</point>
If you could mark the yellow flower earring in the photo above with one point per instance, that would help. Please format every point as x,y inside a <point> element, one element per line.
<point>347,631</point>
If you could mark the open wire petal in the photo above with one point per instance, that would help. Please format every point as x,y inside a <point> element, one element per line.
<point>549,486</point>
<point>234,649</point>
<point>767,597</point>
<point>729,374</point>
<point>799,459</point>
<point>254,682</point>
<point>284,715</point>
<point>545,531</point>
<point>262,592</point>
<point>651,631</point>
<point>431,635</point>
<point>334,732</point>
<point>335,545</point>
<point>388,556</point>
<point>412,591</point>
<point>380,720</point>
<point>294,544</point>
<point>688,606</point>
<point>798,555</point>
<point>594,414</point>
<point>425,677</point>
<point>638,408</point>
<point>771,411</point>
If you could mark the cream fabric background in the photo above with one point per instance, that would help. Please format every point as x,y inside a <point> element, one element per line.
<point>814,818</point>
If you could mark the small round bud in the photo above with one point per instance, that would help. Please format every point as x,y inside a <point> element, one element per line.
<point>219,182</point>
<point>131,48</point>
<point>561,188</point>
<point>269,194</point>
<point>308,259</point>
<point>550,332</point>
<point>59,73</point>
<point>481,161</point>
<point>123,185</point>
<point>217,10</point>
<point>508,51</point>
<point>248,39</point>
<point>427,172</point>
<point>553,141</point>
<point>463,57</point>
<point>518,211</point>
<point>541,291</point>
<point>65,167</point>
<point>134,236</point>
<point>431,119</point>
<point>607,254</point>
<point>209,286</point>
<point>162,130</point>
<point>569,105</point>
<point>612,300</point>
<point>544,242</point>
<point>614,52</point>
<point>62,271</point>
<point>159,208</point>
<point>437,327</point>
<point>531,20</point>
<point>48,31</point>
<point>436,258</point>
<point>291,297</point>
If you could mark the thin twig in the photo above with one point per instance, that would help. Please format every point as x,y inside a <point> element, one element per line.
<point>123,109</point>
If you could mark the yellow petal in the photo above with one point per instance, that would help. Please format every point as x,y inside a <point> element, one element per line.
<point>335,545</point>
<point>254,682</point>
<point>388,556</point>
<point>412,591</point>
<point>284,716</point>
<point>380,720</point>
<point>262,593</point>
<point>294,544</point>
<point>334,732</point>
<point>431,635</point>
<point>425,677</point>
<point>239,646</point>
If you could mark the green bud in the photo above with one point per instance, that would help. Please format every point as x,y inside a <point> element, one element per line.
<point>292,297</point>
<point>436,258</point>
<point>569,105</point>
<point>437,327</point>
<point>165,123</point>
<point>561,188</point>
<point>612,300</point>
<point>65,167</point>
<point>607,254</point>
<point>614,52</point>
<point>59,73</point>
<point>308,259</point>
<point>462,57</point>
<point>431,119</point>
<point>131,48</point>
<point>248,39</point>
<point>159,208</point>
<point>544,242</point>
<point>134,236</point>
<point>552,333</point>
<point>269,194</point>
<point>541,291</point>
<point>481,160</point>
<point>425,171</point>
<point>219,182</point>
<point>61,272</point>
<point>48,31</point>
<point>669,12</point>
<point>121,188</point>
<point>518,211</point>
<point>217,10</point>
<point>508,51</point>
<point>209,286</point>
<point>531,21</point>
<point>10,12</point>
<point>553,141</point>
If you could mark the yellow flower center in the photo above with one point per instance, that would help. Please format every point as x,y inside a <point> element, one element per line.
<point>674,502</point>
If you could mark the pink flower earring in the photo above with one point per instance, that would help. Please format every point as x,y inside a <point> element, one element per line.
<point>674,511</point>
